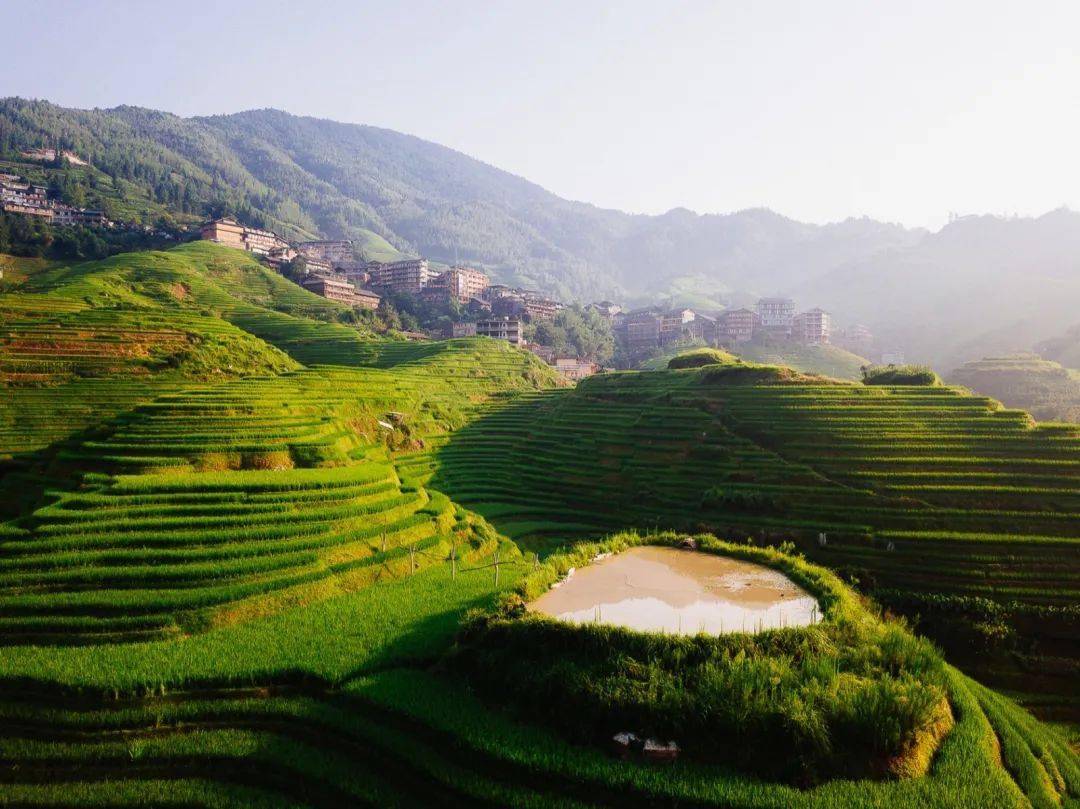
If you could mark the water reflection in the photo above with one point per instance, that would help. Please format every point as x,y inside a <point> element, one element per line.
<point>658,589</point>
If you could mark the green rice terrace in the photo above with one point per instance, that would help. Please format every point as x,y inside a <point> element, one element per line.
<point>252,555</point>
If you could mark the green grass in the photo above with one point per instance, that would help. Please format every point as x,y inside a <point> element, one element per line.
<point>238,539</point>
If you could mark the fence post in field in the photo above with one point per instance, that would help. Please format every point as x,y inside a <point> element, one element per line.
<point>496,567</point>
<point>453,562</point>
<point>412,558</point>
<point>384,540</point>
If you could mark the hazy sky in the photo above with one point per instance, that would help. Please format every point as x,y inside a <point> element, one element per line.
<point>820,110</point>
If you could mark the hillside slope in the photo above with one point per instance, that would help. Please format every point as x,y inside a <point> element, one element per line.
<point>304,175</point>
<point>245,590</point>
<point>1047,390</point>
<point>935,500</point>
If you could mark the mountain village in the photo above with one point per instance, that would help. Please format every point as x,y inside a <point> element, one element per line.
<point>332,269</point>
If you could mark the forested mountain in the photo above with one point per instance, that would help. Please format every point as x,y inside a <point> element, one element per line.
<point>982,285</point>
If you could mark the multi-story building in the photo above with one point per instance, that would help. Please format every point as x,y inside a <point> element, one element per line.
<point>811,327</point>
<point>463,330</point>
<point>337,253</point>
<point>226,231</point>
<point>463,283</point>
<point>25,198</point>
<point>737,326</point>
<point>366,299</point>
<point>66,215</point>
<point>508,306</point>
<point>330,288</point>
<point>704,328</point>
<point>409,276</point>
<point>263,242</point>
<point>356,277</point>
<point>606,309</point>
<point>537,307</point>
<point>496,291</point>
<point>776,314</point>
<point>502,328</point>
<point>674,324</point>
<point>641,330</point>
<point>318,266</point>
<point>573,368</point>
<point>343,291</point>
<point>229,232</point>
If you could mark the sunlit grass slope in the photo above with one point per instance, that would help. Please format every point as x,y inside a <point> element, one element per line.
<point>940,502</point>
<point>233,578</point>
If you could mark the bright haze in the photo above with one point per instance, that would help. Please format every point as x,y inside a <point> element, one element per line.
<point>900,111</point>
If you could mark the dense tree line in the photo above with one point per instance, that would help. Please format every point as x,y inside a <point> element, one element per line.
<point>34,237</point>
<point>576,332</point>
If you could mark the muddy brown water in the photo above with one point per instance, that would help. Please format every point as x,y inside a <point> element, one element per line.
<point>658,589</point>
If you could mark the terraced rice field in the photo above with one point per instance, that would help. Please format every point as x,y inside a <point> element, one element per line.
<point>920,492</point>
<point>229,583</point>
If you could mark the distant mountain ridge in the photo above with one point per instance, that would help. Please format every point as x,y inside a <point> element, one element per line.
<point>944,297</point>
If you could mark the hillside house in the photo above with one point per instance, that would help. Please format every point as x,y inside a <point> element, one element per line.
<point>502,328</point>
<point>337,253</point>
<point>812,327</point>
<point>606,310</point>
<point>342,291</point>
<point>539,307</point>
<point>227,231</point>
<point>318,266</point>
<point>409,276</point>
<point>25,198</point>
<point>573,368</point>
<point>496,291</point>
<point>776,314</point>
<point>461,284</point>
<point>704,328</point>
<point>463,330</point>
<point>674,325</point>
<point>737,326</point>
<point>640,331</point>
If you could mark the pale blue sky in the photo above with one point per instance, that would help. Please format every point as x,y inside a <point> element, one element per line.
<point>903,111</point>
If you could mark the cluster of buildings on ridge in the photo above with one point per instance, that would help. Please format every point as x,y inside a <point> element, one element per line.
<point>19,195</point>
<point>641,331</point>
<point>332,270</point>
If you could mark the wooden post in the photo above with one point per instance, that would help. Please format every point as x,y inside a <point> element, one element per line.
<point>412,558</point>
<point>453,562</point>
<point>496,567</point>
<point>384,541</point>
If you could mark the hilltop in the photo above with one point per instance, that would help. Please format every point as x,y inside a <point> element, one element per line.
<point>1046,389</point>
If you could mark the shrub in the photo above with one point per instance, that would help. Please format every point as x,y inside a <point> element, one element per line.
<point>701,356</point>
<point>900,375</point>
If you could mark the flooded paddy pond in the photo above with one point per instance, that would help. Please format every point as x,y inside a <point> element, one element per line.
<point>682,592</point>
